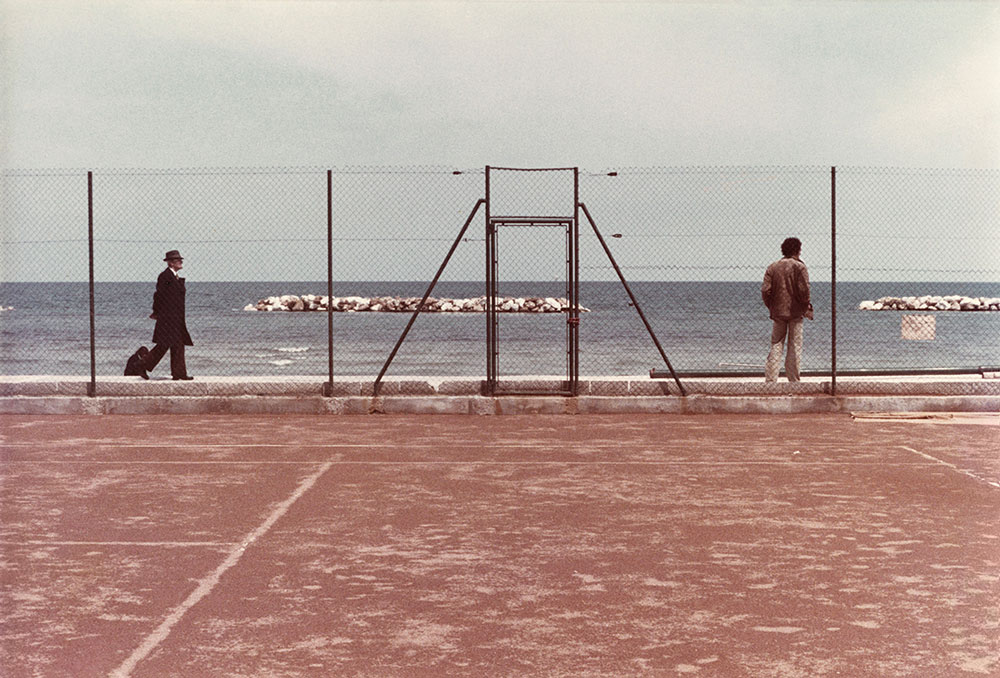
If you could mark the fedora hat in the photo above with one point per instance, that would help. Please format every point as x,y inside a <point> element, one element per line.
<point>173,254</point>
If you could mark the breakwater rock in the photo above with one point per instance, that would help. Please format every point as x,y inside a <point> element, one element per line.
<point>315,302</point>
<point>954,302</point>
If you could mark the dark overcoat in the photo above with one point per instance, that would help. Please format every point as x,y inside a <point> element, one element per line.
<point>168,307</point>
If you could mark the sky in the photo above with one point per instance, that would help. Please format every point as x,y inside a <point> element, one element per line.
<point>267,83</point>
<point>171,87</point>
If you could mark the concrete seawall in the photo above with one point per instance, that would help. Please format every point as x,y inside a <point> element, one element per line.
<point>607,395</point>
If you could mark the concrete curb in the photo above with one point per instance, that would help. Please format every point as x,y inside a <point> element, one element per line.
<point>613,386</point>
<point>552,405</point>
<point>623,395</point>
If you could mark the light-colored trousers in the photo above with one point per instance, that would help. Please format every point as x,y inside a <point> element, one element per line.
<point>779,330</point>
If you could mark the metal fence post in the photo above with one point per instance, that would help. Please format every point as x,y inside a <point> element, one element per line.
<point>833,281</point>
<point>491,363</point>
<point>574,372</point>
<point>92,387</point>
<point>328,390</point>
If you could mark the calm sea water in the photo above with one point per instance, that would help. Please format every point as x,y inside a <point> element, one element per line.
<point>701,326</point>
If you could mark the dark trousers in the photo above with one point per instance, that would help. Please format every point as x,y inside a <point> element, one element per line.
<point>177,366</point>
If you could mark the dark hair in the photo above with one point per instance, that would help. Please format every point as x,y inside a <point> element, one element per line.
<point>791,247</point>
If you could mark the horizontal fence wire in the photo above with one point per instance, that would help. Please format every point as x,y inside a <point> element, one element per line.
<point>916,267</point>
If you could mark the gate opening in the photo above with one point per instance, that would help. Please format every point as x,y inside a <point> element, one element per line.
<point>525,207</point>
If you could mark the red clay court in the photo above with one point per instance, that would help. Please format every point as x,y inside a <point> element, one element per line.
<point>631,545</point>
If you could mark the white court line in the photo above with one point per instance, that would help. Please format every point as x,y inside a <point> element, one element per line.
<point>953,467</point>
<point>193,462</point>
<point>469,462</point>
<point>402,443</point>
<point>590,444</point>
<point>172,544</point>
<point>206,585</point>
<point>95,443</point>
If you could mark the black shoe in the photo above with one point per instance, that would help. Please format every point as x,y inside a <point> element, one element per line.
<point>144,374</point>
<point>184,378</point>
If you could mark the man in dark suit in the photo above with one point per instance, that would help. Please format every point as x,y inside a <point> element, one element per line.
<point>168,312</point>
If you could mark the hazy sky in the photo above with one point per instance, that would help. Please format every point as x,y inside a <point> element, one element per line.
<point>594,84</point>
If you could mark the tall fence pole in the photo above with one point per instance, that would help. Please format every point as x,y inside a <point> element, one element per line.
<point>328,390</point>
<point>92,387</point>
<point>575,310</point>
<point>491,346</point>
<point>833,281</point>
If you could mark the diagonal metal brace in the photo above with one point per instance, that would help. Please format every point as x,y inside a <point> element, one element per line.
<point>635,302</point>
<point>430,288</point>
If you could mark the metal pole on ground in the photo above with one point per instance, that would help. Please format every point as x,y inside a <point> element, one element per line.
<point>92,387</point>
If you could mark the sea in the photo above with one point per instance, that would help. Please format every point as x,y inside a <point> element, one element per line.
<point>723,327</point>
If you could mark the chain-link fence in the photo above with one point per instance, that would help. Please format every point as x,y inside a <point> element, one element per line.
<point>239,232</point>
<point>44,299</point>
<point>912,252</point>
<point>923,246</point>
<point>392,230</point>
<point>695,243</point>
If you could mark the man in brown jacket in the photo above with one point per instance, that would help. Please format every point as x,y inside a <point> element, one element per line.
<point>786,294</point>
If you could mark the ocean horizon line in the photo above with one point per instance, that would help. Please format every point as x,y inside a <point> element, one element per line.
<point>482,282</point>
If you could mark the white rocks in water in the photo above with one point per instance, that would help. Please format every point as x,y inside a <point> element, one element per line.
<point>953,302</point>
<point>312,302</point>
<point>292,302</point>
<point>554,304</point>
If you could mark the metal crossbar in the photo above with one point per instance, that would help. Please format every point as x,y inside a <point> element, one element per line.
<point>531,221</point>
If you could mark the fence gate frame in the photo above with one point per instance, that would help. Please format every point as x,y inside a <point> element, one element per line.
<point>570,223</point>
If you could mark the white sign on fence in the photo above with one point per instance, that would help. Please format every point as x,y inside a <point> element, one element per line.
<point>918,327</point>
